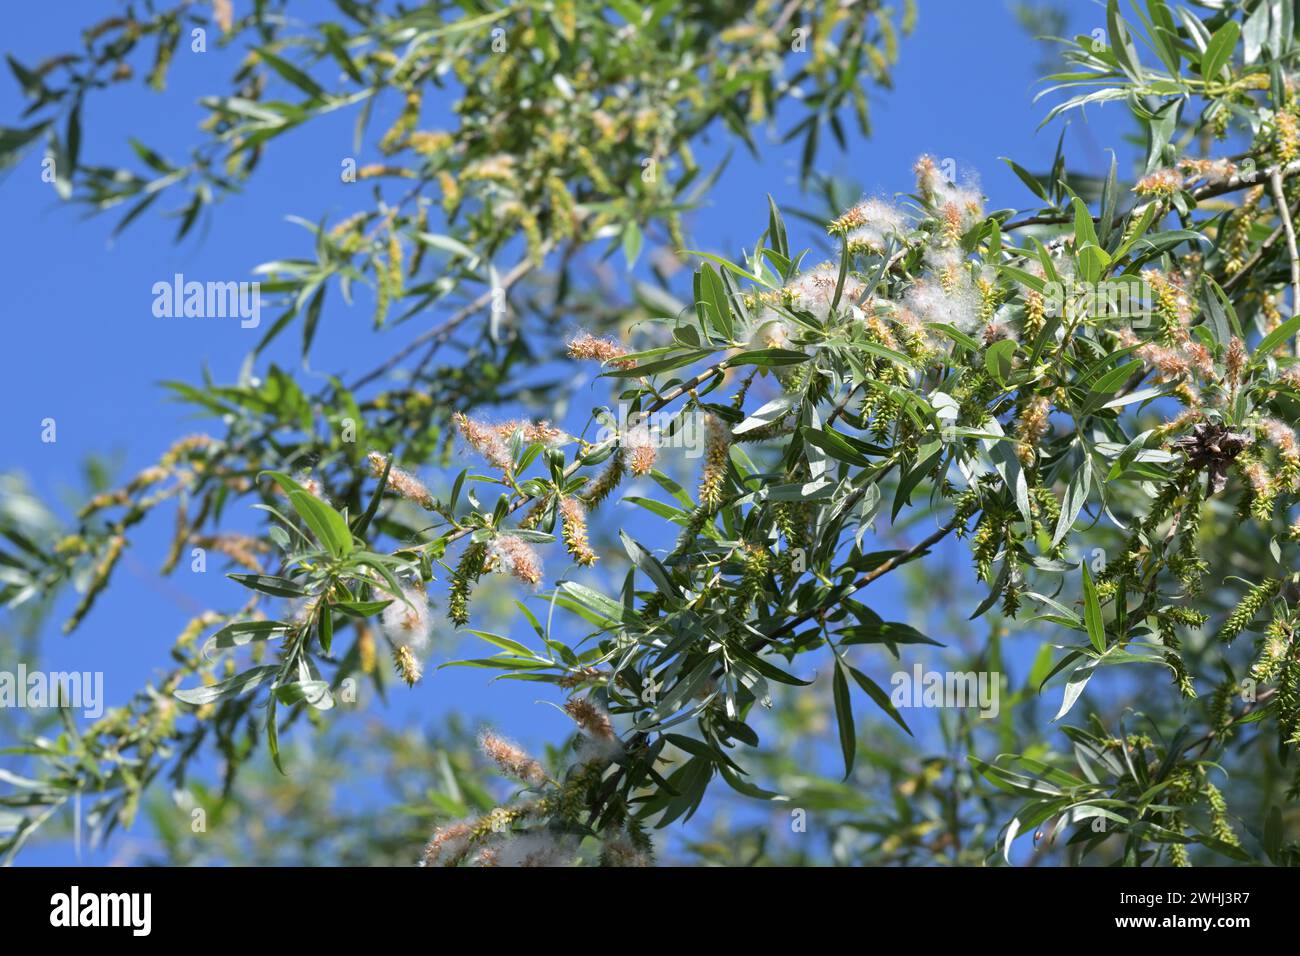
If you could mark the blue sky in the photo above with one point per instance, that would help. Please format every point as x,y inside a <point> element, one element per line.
<point>82,346</point>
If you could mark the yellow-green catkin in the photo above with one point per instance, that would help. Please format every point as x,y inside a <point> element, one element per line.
<point>573,521</point>
<point>1220,826</point>
<point>167,40</point>
<point>1173,656</point>
<point>98,581</point>
<point>717,445</point>
<point>395,267</point>
<point>395,138</point>
<point>366,654</point>
<point>756,562</point>
<point>564,212</point>
<point>1234,245</point>
<point>467,572</point>
<point>1275,649</point>
<point>451,194</point>
<point>1286,142</point>
<point>594,172</point>
<point>1250,605</point>
<point>606,481</point>
<point>421,225</point>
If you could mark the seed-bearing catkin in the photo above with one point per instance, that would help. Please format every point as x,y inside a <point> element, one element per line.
<point>607,351</point>
<point>451,843</point>
<point>1171,305</point>
<point>239,548</point>
<point>1162,184</point>
<point>619,850</point>
<point>592,720</point>
<point>407,665</point>
<point>1030,428</point>
<point>403,483</point>
<point>448,845</point>
<point>640,450</point>
<point>407,625</point>
<point>573,520</point>
<point>1260,493</point>
<point>1234,362</point>
<point>511,758</point>
<point>514,556</point>
<point>1283,438</point>
<point>485,440</point>
<point>1250,605</point>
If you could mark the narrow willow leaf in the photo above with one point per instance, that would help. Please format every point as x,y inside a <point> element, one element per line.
<point>1092,612</point>
<point>844,717</point>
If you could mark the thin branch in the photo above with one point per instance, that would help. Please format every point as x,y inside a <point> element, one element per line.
<point>879,571</point>
<point>1283,213</point>
<point>440,333</point>
<point>1232,184</point>
<point>1204,742</point>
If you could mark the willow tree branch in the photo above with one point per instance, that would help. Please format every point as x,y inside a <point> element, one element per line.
<point>1204,742</point>
<point>440,333</point>
<point>879,571</point>
<point>662,401</point>
<point>1234,183</point>
<point>1283,213</point>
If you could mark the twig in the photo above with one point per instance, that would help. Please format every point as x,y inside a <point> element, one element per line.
<point>1232,184</point>
<point>1204,742</point>
<point>878,571</point>
<point>1279,199</point>
<point>440,332</point>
